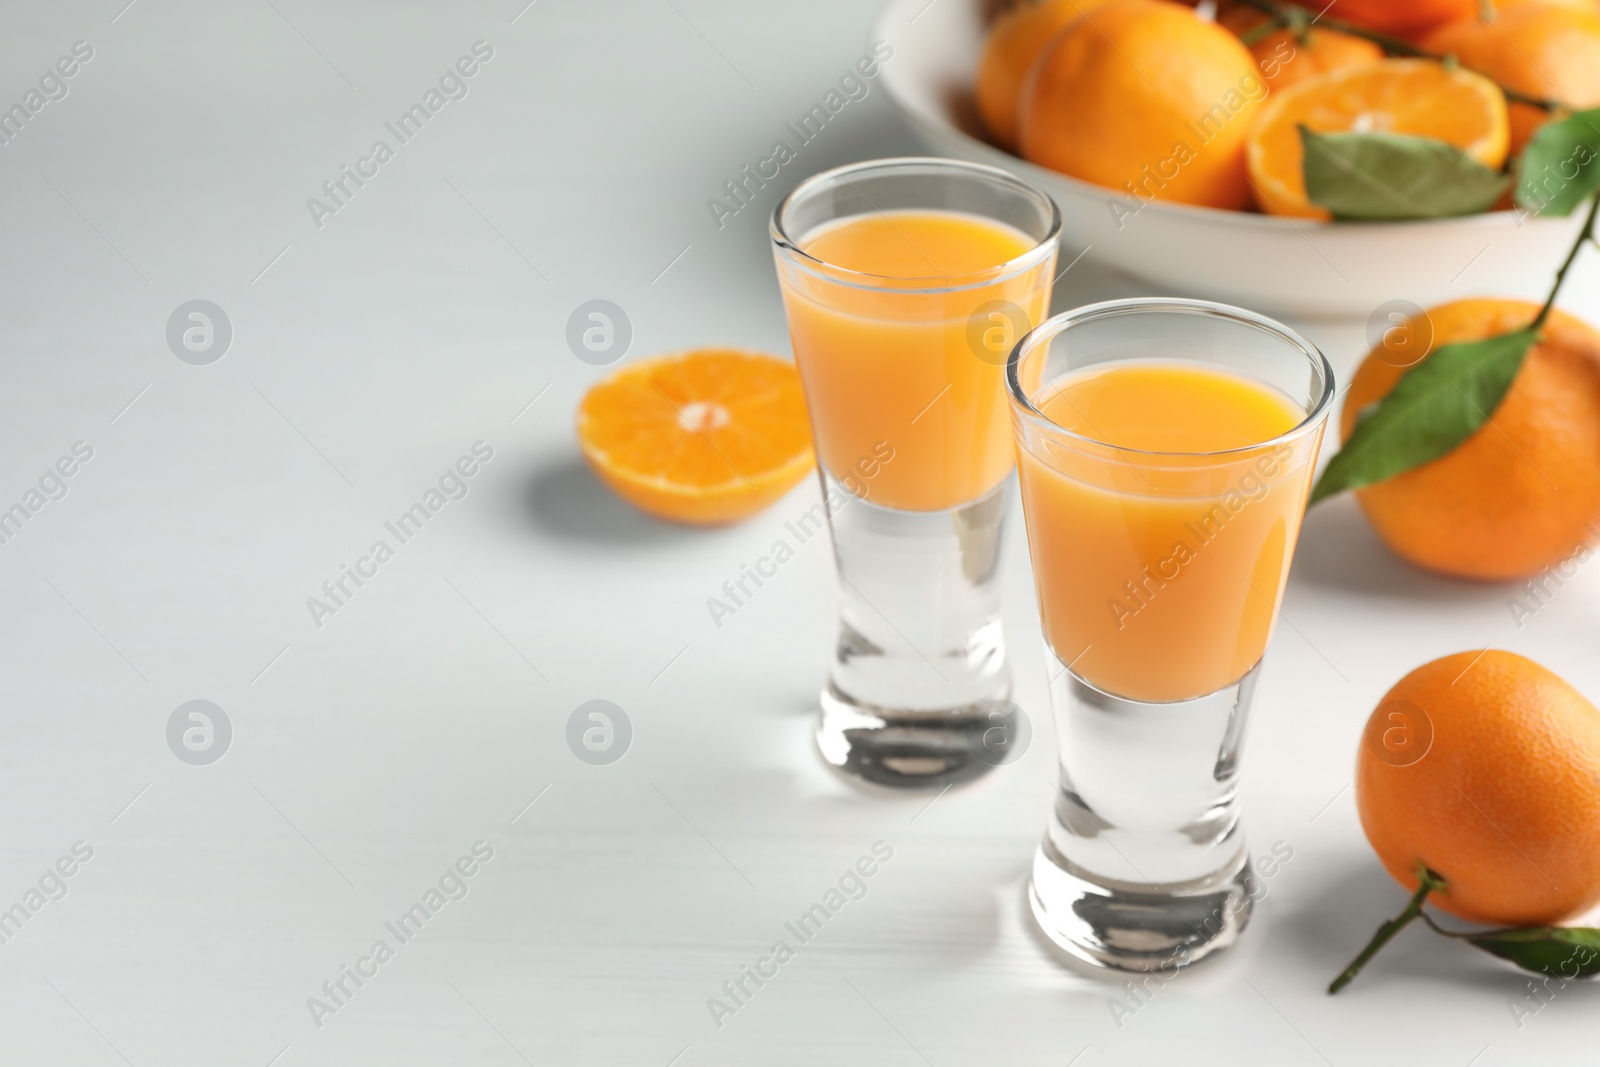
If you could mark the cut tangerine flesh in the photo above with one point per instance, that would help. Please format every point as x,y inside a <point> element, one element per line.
<point>706,436</point>
<point>1408,96</point>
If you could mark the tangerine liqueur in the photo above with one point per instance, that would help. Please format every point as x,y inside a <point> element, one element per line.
<point>1159,572</point>
<point>910,360</point>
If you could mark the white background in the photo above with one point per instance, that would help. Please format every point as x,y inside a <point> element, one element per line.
<point>370,753</point>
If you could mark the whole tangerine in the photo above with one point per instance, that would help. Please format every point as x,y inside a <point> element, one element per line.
<point>1146,97</point>
<point>1015,43</point>
<point>1485,767</point>
<point>1523,492</point>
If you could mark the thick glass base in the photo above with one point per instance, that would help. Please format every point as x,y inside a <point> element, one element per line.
<point>918,683</point>
<point>1138,927</point>
<point>918,749</point>
<point>1144,865</point>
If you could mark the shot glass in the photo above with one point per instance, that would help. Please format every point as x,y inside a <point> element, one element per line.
<point>902,357</point>
<point>1159,577</point>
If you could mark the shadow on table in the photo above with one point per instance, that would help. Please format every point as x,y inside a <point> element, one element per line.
<point>1339,550</point>
<point>565,500</point>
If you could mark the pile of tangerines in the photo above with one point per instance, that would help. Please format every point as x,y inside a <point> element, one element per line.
<point>1155,100</point>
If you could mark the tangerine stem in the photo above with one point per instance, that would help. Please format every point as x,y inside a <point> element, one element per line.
<point>1427,881</point>
<point>1257,34</point>
<point>1398,47</point>
<point>1572,254</point>
<point>1462,934</point>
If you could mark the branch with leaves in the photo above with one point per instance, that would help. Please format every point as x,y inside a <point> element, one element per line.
<point>1447,397</point>
<point>1557,951</point>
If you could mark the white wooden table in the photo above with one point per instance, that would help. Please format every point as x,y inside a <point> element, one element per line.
<point>375,743</point>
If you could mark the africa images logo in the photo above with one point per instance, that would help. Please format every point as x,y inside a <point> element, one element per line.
<point>851,886</point>
<point>452,485</point>
<point>453,885</point>
<point>744,188</point>
<point>52,86</point>
<point>338,191</point>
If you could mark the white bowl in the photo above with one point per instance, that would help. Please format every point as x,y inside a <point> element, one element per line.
<point>1293,267</point>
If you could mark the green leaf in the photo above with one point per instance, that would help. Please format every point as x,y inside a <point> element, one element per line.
<point>1439,403</point>
<point>1560,168</point>
<point>1562,951</point>
<point>1371,176</point>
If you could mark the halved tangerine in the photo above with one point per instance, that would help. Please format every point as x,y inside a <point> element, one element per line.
<point>705,436</point>
<point>1411,96</point>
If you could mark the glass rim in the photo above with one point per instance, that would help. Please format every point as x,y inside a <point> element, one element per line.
<point>1042,249</point>
<point>1056,325</point>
